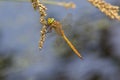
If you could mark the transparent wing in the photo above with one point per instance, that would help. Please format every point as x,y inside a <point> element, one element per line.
<point>67,20</point>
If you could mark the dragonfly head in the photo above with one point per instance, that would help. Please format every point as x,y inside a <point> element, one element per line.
<point>50,20</point>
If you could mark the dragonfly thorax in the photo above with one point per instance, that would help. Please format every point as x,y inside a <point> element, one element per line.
<point>50,21</point>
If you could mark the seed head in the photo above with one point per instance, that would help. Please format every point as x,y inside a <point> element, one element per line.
<point>108,9</point>
<point>42,10</point>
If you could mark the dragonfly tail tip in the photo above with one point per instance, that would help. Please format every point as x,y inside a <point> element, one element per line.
<point>81,57</point>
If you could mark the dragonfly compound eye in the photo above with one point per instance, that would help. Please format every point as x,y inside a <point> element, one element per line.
<point>50,20</point>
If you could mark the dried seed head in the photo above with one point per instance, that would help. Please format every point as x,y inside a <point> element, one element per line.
<point>34,4</point>
<point>42,10</point>
<point>108,9</point>
<point>43,36</point>
<point>67,5</point>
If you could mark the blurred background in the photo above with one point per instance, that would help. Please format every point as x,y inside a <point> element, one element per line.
<point>95,35</point>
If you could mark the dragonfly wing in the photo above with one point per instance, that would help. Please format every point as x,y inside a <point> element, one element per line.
<point>67,20</point>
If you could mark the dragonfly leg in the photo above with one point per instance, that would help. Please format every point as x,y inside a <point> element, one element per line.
<point>49,30</point>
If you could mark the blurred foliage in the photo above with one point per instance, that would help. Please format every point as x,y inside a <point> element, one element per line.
<point>6,57</point>
<point>5,64</point>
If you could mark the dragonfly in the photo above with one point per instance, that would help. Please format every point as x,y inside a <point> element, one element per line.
<point>57,26</point>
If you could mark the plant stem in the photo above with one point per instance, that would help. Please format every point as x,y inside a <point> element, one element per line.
<point>45,2</point>
<point>16,0</point>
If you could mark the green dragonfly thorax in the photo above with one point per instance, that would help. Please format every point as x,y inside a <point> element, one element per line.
<point>50,21</point>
